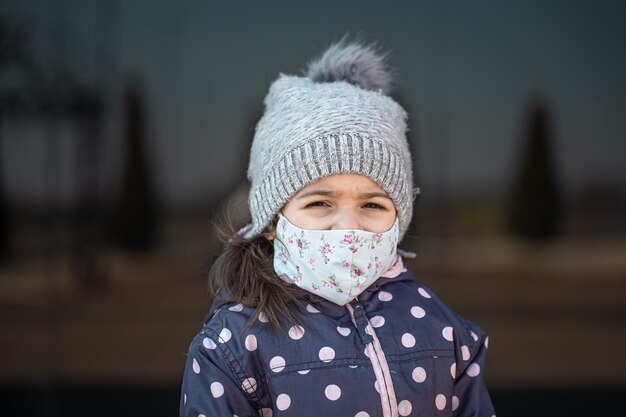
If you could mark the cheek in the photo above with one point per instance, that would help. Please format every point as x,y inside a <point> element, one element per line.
<point>377,221</point>
<point>304,219</point>
<point>384,223</point>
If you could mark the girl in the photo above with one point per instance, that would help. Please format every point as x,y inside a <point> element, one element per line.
<point>313,311</point>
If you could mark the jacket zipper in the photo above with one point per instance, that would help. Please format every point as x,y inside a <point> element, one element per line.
<point>374,352</point>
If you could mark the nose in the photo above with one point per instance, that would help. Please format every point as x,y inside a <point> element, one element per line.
<point>346,220</point>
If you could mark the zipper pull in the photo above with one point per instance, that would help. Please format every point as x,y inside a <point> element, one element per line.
<point>360,321</point>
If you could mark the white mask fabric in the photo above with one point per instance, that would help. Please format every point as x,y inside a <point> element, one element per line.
<point>335,264</point>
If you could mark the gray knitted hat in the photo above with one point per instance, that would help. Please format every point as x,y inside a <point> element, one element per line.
<point>336,119</point>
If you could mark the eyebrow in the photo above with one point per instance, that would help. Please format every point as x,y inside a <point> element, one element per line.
<point>332,193</point>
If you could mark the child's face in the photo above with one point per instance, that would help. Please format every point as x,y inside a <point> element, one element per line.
<point>343,201</point>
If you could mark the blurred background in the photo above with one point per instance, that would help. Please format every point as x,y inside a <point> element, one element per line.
<point>125,128</point>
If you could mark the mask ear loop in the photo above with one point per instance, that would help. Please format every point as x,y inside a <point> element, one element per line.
<point>406,253</point>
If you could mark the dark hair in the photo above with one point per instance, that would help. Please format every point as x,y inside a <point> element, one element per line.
<point>242,271</point>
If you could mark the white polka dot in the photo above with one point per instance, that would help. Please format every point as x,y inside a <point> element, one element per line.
<point>277,363</point>
<point>304,371</point>
<point>447,333</point>
<point>263,319</point>
<point>196,366</point>
<point>453,370</point>
<point>368,329</point>
<point>440,402</point>
<point>455,402</point>
<point>361,414</point>
<point>217,390</point>
<point>266,412</point>
<point>419,374</point>
<point>208,343</point>
<point>326,354</point>
<point>473,370</point>
<point>344,331</point>
<point>185,399</point>
<point>377,321</point>
<point>423,293</point>
<point>311,309</point>
<point>236,307</point>
<point>251,342</point>
<point>474,336</point>
<point>465,352</point>
<point>283,401</point>
<point>225,335</point>
<point>408,340</point>
<point>296,332</point>
<point>201,415</point>
<point>418,312</point>
<point>487,342</point>
<point>405,408</point>
<point>365,351</point>
<point>353,366</point>
<point>249,385</point>
<point>385,296</point>
<point>377,386</point>
<point>332,392</point>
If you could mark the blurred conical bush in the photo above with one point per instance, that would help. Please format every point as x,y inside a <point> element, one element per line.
<point>535,199</point>
<point>134,215</point>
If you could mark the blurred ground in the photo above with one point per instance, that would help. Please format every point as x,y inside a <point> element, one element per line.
<point>556,315</point>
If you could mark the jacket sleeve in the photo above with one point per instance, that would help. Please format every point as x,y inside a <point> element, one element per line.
<point>471,397</point>
<point>209,388</point>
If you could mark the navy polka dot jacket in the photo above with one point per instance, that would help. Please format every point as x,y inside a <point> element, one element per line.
<point>396,350</point>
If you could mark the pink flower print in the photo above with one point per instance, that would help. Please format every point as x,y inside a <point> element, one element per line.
<point>302,244</point>
<point>347,264</point>
<point>332,283</point>
<point>376,240</point>
<point>379,264</point>
<point>324,250</point>
<point>356,245</point>
<point>312,263</point>
<point>347,239</point>
<point>290,241</point>
<point>352,241</point>
<point>358,272</point>
<point>369,265</point>
<point>315,287</point>
<point>298,278</point>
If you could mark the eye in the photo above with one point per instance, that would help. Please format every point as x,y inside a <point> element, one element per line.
<point>374,206</point>
<point>316,204</point>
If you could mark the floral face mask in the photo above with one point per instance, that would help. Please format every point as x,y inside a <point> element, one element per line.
<point>334,264</point>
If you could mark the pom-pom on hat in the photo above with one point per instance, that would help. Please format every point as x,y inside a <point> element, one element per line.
<point>336,119</point>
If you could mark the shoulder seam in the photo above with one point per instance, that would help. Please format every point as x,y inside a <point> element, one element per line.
<point>234,366</point>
